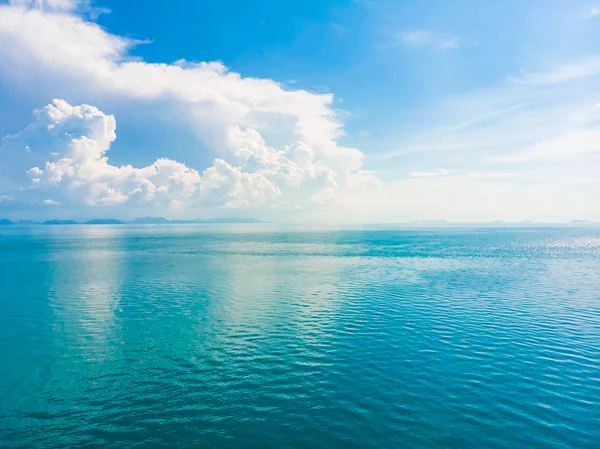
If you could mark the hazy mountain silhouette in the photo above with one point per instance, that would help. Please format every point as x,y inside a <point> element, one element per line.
<point>104,221</point>
<point>60,222</point>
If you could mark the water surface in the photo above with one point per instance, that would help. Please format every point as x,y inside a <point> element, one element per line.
<point>265,337</point>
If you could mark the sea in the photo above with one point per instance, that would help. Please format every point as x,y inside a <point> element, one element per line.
<point>285,336</point>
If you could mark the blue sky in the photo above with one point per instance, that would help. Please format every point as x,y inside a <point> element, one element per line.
<point>302,110</point>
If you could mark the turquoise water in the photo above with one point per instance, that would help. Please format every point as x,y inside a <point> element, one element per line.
<point>262,337</point>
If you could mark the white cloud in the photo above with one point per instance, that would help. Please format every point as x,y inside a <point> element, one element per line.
<point>511,118</point>
<point>276,148</point>
<point>230,113</point>
<point>571,144</point>
<point>480,197</point>
<point>51,202</point>
<point>68,49</point>
<point>567,72</point>
<point>594,11</point>
<point>79,138</point>
<point>425,38</point>
<point>438,172</point>
<point>525,146</point>
<point>48,5</point>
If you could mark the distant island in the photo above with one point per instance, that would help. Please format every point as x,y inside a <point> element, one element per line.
<point>60,222</point>
<point>163,220</point>
<point>576,220</point>
<point>142,220</point>
<point>150,220</point>
<point>111,221</point>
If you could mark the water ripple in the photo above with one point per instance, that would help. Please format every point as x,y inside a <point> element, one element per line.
<point>187,336</point>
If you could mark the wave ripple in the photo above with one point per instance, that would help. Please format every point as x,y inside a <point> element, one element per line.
<point>186,336</point>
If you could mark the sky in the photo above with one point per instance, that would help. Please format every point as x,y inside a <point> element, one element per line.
<point>312,110</point>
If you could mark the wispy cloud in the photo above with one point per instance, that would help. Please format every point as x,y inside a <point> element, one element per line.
<point>430,174</point>
<point>519,147</point>
<point>567,72</point>
<point>426,38</point>
<point>571,144</point>
<point>514,118</point>
<point>53,5</point>
<point>594,11</point>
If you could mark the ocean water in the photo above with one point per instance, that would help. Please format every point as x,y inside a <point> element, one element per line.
<point>264,337</point>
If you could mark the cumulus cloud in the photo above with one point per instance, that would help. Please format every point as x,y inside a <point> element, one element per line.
<point>66,48</point>
<point>65,152</point>
<point>271,147</point>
